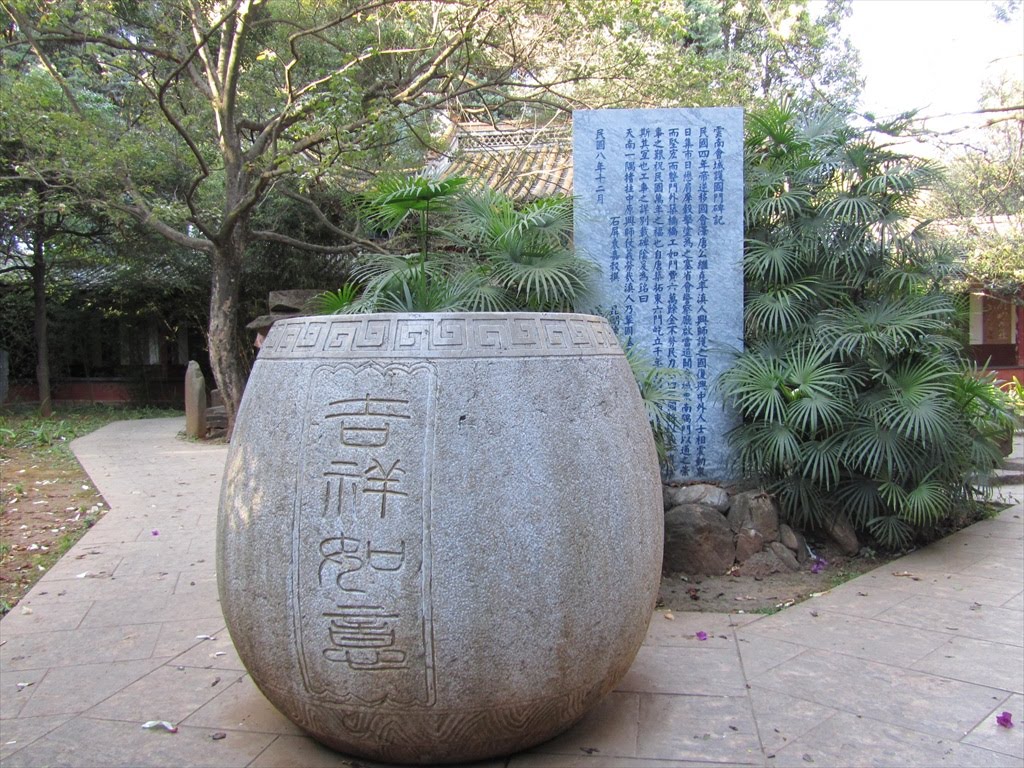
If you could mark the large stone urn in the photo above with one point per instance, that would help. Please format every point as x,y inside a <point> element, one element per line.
<point>440,535</point>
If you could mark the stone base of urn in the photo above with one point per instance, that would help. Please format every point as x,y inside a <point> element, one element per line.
<point>440,536</point>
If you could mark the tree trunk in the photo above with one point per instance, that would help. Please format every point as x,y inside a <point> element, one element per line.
<point>38,272</point>
<point>225,353</point>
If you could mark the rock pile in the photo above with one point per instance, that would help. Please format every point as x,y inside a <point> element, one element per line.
<point>709,531</point>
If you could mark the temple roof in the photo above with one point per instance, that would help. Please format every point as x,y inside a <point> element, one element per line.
<point>525,162</point>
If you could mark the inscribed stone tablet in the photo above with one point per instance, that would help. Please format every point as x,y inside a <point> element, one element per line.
<point>659,206</point>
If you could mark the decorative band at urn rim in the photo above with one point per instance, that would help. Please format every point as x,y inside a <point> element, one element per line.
<point>440,335</point>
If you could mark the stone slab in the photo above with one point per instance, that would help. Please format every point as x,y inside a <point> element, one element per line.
<point>659,207</point>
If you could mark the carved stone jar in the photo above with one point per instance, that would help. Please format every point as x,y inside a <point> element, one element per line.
<point>440,535</point>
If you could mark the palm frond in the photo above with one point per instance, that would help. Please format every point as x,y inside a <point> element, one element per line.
<point>754,385</point>
<point>343,301</point>
<point>891,531</point>
<point>553,278</point>
<point>820,462</point>
<point>393,198</point>
<point>781,309</point>
<point>858,495</point>
<point>770,262</point>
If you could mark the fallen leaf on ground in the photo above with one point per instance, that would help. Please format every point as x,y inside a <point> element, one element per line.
<point>907,574</point>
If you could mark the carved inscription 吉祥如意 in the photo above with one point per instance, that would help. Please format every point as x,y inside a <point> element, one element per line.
<point>362,517</point>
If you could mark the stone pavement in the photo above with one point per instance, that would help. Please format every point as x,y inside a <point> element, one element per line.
<point>908,665</point>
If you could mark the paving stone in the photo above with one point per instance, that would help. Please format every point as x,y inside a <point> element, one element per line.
<point>958,617</point>
<point>113,743</point>
<point>783,719</point>
<point>74,647</point>
<point>536,760</point>
<point>304,752</point>
<point>241,707</point>
<point>995,665</point>
<point>714,729</point>
<point>177,639</point>
<point>864,638</point>
<point>1015,603</point>
<point>21,732</point>
<point>16,690</point>
<point>859,598</point>
<point>682,628</point>
<point>210,654</point>
<point>990,735</point>
<point>71,690</point>
<point>166,693</point>
<point>44,617</point>
<point>609,730</point>
<point>151,608</point>
<point>907,703</point>
<point>849,740</point>
<point>936,705</point>
<point>707,668</point>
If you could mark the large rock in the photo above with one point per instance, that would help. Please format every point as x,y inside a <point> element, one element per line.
<point>702,493</point>
<point>698,540</point>
<point>785,555</point>
<point>195,401</point>
<point>748,543</point>
<point>840,530</point>
<point>755,510</point>
<point>762,565</point>
<point>795,541</point>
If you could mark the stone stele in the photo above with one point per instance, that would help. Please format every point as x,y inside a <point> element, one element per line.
<point>440,535</point>
<point>658,205</point>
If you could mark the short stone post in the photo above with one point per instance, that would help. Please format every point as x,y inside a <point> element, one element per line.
<point>195,401</point>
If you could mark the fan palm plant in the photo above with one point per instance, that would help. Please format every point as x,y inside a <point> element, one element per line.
<point>855,396</point>
<point>477,251</point>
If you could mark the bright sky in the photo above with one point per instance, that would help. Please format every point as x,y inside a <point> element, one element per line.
<point>932,54</point>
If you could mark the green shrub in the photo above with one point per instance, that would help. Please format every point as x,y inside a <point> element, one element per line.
<point>855,395</point>
<point>476,251</point>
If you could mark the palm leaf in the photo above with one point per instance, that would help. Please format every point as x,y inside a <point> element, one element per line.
<point>860,499</point>
<point>891,531</point>
<point>343,301</point>
<point>770,262</point>
<point>754,386</point>
<point>555,278</point>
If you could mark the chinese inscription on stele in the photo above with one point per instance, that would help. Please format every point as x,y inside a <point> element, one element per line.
<point>362,586</point>
<point>659,207</point>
